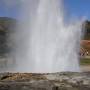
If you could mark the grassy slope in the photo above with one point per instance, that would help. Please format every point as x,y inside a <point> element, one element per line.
<point>85,61</point>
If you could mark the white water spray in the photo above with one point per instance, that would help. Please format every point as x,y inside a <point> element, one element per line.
<point>45,44</point>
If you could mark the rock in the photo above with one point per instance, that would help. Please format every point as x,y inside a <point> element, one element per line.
<point>54,81</point>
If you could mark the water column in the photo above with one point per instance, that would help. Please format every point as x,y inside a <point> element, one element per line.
<point>46,45</point>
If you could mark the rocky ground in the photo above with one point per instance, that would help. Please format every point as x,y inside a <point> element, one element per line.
<point>54,81</point>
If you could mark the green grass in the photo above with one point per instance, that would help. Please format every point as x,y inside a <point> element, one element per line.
<point>85,61</point>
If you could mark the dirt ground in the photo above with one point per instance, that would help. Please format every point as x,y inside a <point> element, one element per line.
<point>85,68</point>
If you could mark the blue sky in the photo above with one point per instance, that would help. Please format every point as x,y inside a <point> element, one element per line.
<point>78,8</point>
<point>9,9</point>
<point>73,8</point>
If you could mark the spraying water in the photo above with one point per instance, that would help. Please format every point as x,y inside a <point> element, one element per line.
<point>46,44</point>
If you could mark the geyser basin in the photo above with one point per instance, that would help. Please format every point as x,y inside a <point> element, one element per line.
<point>56,81</point>
<point>46,44</point>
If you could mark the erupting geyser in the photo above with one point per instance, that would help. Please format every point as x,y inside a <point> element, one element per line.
<point>46,43</point>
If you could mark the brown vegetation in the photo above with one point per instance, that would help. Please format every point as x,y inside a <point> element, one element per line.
<point>85,44</point>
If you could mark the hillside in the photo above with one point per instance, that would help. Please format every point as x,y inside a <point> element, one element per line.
<point>6,24</point>
<point>6,27</point>
<point>86,46</point>
<point>86,42</point>
<point>87,30</point>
